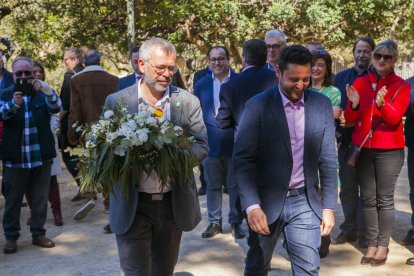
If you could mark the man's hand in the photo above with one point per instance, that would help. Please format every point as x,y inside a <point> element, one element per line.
<point>328,222</point>
<point>337,111</point>
<point>353,95</point>
<point>18,98</point>
<point>258,222</point>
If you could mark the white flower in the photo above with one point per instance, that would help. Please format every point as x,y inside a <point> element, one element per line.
<point>151,121</point>
<point>108,114</point>
<point>178,130</point>
<point>132,124</point>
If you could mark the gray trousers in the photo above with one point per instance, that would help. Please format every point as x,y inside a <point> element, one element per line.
<point>151,245</point>
<point>16,181</point>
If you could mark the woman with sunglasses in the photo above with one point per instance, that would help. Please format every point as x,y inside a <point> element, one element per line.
<point>54,195</point>
<point>377,103</point>
<point>322,79</point>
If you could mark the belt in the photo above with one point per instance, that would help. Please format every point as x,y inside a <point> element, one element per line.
<point>155,197</point>
<point>296,192</point>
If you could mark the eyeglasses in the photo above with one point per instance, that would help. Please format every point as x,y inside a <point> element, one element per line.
<point>160,71</point>
<point>65,59</point>
<point>273,46</point>
<point>386,58</point>
<point>21,73</point>
<point>319,52</point>
<point>218,59</point>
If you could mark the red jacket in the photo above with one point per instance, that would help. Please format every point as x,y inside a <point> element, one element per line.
<point>389,133</point>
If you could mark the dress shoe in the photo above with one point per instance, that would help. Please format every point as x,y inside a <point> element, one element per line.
<point>379,262</point>
<point>344,238</point>
<point>325,243</point>
<point>10,247</point>
<point>212,230</point>
<point>107,229</point>
<point>83,212</point>
<point>409,239</point>
<point>366,260</point>
<point>42,241</point>
<point>202,191</point>
<point>410,261</point>
<point>237,231</point>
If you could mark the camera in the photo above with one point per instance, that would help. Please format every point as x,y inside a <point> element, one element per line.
<point>25,86</point>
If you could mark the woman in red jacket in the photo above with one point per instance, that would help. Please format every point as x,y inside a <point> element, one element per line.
<point>384,97</point>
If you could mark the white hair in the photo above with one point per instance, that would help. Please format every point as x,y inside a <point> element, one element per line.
<point>155,42</point>
<point>276,33</point>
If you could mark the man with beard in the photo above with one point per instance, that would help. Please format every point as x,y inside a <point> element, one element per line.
<point>218,169</point>
<point>148,223</point>
<point>284,150</point>
<point>352,229</point>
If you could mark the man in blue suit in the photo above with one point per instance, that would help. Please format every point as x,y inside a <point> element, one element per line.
<point>253,80</point>
<point>284,146</point>
<point>217,166</point>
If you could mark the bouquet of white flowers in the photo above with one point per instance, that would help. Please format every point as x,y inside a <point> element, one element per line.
<point>120,146</point>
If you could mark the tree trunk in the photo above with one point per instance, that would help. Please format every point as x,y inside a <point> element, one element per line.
<point>131,24</point>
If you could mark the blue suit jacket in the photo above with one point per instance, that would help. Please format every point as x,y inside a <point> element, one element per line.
<point>126,81</point>
<point>262,156</point>
<point>220,141</point>
<point>235,93</point>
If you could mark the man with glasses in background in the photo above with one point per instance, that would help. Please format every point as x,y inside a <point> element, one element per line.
<point>275,41</point>
<point>28,151</point>
<point>218,164</point>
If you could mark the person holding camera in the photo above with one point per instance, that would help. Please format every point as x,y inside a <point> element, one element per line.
<point>28,151</point>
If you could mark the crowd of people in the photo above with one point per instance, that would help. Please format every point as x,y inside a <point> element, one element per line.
<point>272,136</point>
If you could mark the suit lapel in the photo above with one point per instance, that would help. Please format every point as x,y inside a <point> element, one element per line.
<point>309,115</point>
<point>278,111</point>
<point>131,98</point>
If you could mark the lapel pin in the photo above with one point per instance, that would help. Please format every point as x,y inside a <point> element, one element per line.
<point>177,104</point>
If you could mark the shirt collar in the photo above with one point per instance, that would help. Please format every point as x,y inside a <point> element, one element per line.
<point>248,67</point>
<point>226,79</point>
<point>286,101</point>
<point>165,97</point>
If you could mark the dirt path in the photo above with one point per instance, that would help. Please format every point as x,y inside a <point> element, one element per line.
<point>83,249</point>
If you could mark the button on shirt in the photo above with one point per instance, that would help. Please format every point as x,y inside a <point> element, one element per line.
<point>151,184</point>
<point>295,115</point>
<point>216,90</point>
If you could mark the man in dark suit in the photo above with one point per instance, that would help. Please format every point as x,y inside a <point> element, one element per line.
<point>253,80</point>
<point>133,78</point>
<point>149,222</point>
<point>217,165</point>
<point>284,145</point>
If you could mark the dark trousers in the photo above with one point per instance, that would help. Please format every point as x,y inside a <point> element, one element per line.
<point>350,198</point>
<point>301,228</point>
<point>151,245</point>
<point>410,167</point>
<point>377,172</point>
<point>70,162</point>
<point>15,182</point>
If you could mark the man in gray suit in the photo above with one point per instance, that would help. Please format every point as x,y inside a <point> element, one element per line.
<point>149,223</point>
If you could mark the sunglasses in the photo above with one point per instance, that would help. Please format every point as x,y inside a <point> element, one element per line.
<point>378,57</point>
<point>273,46</point>
<point>21,73</point>
<point>319,52</point>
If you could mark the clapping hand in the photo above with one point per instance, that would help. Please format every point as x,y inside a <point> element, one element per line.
<point>353,95</point>
<point>380,96</point>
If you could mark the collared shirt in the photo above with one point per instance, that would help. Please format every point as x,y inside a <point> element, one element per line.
<point>138,77</point>
<point>295,115</point>
<point>151,184</point>
<point>30,148</point>
<point>216,90</point>
<point>269,66</point>
<point>248,67</point>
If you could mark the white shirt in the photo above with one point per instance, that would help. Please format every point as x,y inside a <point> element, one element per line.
<point>216,90</point>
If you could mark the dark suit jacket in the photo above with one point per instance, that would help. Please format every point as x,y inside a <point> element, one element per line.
<point>220,141</point>
<point>129,80</point>
<point>185,112</point>
<point>409,121</point>
<point>262,156</point>
<point>200,74</point>
<point>235,93</point>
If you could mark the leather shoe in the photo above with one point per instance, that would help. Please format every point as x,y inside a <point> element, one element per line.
<point>42,241</point>
<point>237,231</point>
<point>344,238</point>
<point>409,239</point>
<point>212,230</point>
<point>10,247</point>
<point>324,250</point>
<point>107,229</point>
<point>202,191</point>
<point>410,261</point>
<point>379,262</point>
<point>366,260</point>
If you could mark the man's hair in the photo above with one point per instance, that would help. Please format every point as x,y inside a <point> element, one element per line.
<point>219,47</point>
<point>92,57</point>
<point>152,43</point>
<point>133,50</point>
<point>255,52</point>
<point>276,33</point>
<point>365,39</point>
<point>323,54</point>
<point>38,64</point>
<point>317,45</point>
<point>75,53</point>
<point>389,45</point>
<point>22,58</point>
<point>294,54</point>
